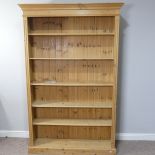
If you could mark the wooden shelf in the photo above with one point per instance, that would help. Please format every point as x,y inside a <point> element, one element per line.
<point>48,83</point>
<point>73,122</point>
<point>71,144</point>
<point>71,58</point>
<point>48,33</point>
<point>45,104</point>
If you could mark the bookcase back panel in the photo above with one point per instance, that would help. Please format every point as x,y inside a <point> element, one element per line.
<point>73,94</point>
<point>72,71</point>
<point>73,132</point>
<point>73,113</point>
<point>71,46</point>
<point>72,24</point>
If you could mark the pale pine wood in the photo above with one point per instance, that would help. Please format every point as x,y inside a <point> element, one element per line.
<point>31,139</point>
<point>71,146</point>
<point>82,71</point>
<point>116,45</point>
<point>57,10</point>
<point>83,46</point>
<point>70,104</point>
<point>71,59</point>
<point>82,6</point>
<point>67,34</point>
<point>71,63</point>
<point>73,113</point>
<point>72,122</point>
<point>74,144</point>
<point>73,94</point>
<point>48,83</point>
<point>69,26</point>
<point>73,132</point>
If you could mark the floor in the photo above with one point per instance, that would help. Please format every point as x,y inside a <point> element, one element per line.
<point>18,146</point>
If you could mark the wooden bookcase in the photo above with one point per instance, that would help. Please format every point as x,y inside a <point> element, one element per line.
<point>71,64</point>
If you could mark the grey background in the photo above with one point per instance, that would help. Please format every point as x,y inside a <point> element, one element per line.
<point>136,93</point>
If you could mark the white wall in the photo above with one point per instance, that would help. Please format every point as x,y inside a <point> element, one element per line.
<point>136,97</point>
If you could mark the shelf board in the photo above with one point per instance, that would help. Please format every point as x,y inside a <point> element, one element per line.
<point>48,33</point>
<point>73,122</point>
<point>50,83</point>
<point>45,144</point>
<point>50,104</point>
<point>71,58</point>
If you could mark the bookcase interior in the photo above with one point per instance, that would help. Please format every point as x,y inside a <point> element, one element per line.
<point>91,46</point>
<point>72,24</point>
<point>72,50</point>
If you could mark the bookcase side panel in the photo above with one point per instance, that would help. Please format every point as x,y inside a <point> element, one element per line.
<point>116,47</point>
<point>28,72</point>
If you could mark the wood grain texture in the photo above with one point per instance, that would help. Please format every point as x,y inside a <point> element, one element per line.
<point>72,122</point>
<point>73,84</point>
<point>72,64</point>
<point>48,33</point>
<point>116,45</point>
<point>50,104</point>
<point>63,46</point>
<point>74,94</point>
<point>73,113</point>
<point>72,146</point>
<point>91,71</point>
<point>70,26</point>
<point>28,76</point>
<point>92,9</point>
<point>73,132</point>
<point>71,6</point>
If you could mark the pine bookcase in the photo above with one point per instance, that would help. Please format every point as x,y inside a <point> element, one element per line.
<point>71,65</point>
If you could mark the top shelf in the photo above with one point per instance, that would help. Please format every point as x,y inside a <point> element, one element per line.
<point>37,33</point>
